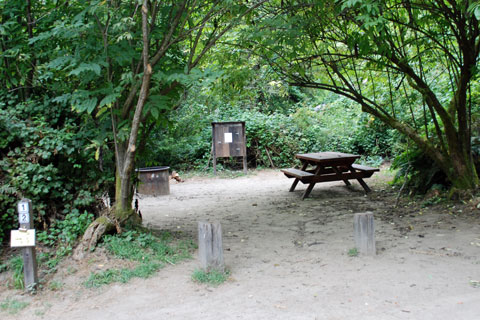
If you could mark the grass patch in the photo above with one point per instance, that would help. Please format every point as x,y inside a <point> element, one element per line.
<point>56,243</point>
<point>212,277</point>
<point>221,173</point>
<point>55,285</point>
<point>353,252</point>
<point>150,252</point>
<point>12,306</point>
<point>124,275</point>
<point>15,265</point>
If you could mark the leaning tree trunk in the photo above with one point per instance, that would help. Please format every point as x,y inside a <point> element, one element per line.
<point>454,159</point>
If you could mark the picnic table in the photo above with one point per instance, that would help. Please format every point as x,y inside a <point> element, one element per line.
<point>328,166</point>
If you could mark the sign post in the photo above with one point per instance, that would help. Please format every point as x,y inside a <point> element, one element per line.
<point>25,237</point>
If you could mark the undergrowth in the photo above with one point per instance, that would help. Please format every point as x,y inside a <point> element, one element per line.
<point>57,243</point>
<point>12,306</point>
<point>149,252</point>
<point>15,264</point>
<point>212,277</point>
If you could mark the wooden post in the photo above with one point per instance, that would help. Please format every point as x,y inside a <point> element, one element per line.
<point>210,246</point>
<point>244,148</point>
<point>365,233</point>
<point>214,152</point>
<point>25,218</point>
<point>244,161</point>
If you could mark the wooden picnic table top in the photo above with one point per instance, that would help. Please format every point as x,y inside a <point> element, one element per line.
<point>328,158</point>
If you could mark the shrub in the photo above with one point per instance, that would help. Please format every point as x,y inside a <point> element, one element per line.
<point>271,136</point>
<point>45,157</point>
<point>422,172</point>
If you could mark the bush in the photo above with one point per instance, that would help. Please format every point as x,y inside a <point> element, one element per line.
<point>65,233</point>
<point>373,137</point>
<point>276,136</point>
<point>422,173</point>
<point>45,156</point>
<point>149,252</point>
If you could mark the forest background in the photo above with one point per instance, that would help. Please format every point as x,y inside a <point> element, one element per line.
<point>92,89</point>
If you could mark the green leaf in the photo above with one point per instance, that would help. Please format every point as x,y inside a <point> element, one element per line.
<point>64,98</point>
<point>86,67</point>
<point>87,105</point>
<point>157,103</point>
<point>109,99</point>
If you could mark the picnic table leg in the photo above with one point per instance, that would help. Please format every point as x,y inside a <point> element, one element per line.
<point>312,184</point>
<point>309,189</point>
<point>338,172</point>
<point>364,185</point>
<point>295,182</point>
<point>360,180</point>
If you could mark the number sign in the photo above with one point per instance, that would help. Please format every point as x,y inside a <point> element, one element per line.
<point>23,212</point>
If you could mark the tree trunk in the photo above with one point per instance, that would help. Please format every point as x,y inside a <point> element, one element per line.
<point>126,163</point>
<point>463,173</point>
<point>125,160</point>
<point>31,72</point>
<point>455,162</point>
<point>123,196</point>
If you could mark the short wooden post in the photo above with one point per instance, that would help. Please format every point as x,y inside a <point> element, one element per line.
<point>210,246</point>
<point>214,156</point>
<point>244,149</point>
<point>25,218</point>
<point>364,229</point>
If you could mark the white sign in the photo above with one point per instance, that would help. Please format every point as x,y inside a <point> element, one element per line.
<point>228,137</point>
<point>23,212</point>
<point>24,217</point>
<point>22,238</point>
<point>23,207</point>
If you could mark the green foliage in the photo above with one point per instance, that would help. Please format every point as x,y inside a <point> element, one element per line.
<point>402,62</point>
<point>373,137</point>
<point>308,126</point>
<point>435,199</point>
<point>63,235</point>
<point>123,275</point>
<point>212,277</point>
<point>13,306</point>
<point>149,251</point>
<point>66,232</point>
<point>55,285</point>
<point>15,265</point>
<point>45,159</point>
<point>353,252</point>
<point>46,262</point>
<point>422,172</point>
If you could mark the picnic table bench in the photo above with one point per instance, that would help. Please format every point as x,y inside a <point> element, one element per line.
<point>328,166</point>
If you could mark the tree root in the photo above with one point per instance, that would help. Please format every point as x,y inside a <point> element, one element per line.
<point>95,231</point>
<point>103,225</point>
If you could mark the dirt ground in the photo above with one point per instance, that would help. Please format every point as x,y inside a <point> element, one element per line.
<point>289,258</point>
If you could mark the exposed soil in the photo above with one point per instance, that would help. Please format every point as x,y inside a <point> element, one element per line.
<point>288,258</point>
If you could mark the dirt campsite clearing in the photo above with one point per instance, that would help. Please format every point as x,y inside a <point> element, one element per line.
<point>288,258</point>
